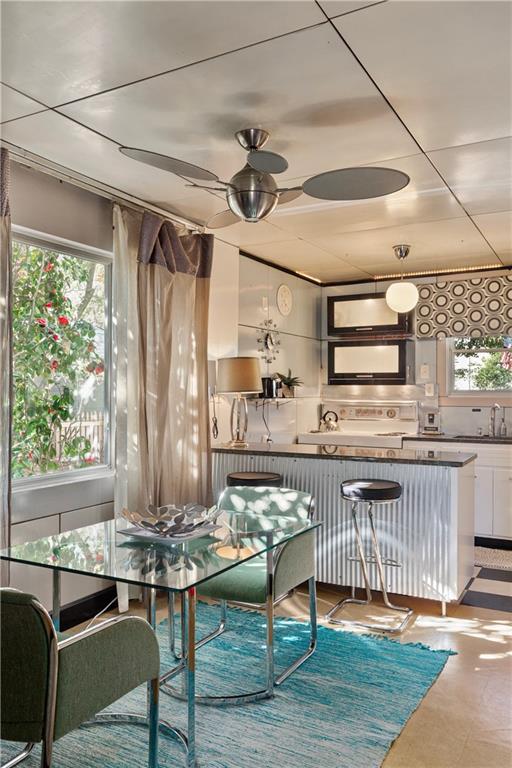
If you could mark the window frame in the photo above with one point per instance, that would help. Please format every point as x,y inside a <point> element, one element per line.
<point>78,250</point>
<point>450,376</point>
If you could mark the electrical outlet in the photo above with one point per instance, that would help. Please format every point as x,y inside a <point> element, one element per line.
<point>424,371</point>
<point>429,389</point>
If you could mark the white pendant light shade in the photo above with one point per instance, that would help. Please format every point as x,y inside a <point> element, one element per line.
<point>402,296</point>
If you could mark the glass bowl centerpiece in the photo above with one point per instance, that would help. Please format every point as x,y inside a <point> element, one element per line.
<point>173,520</point>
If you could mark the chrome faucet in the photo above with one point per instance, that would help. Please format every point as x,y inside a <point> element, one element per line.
<point>492,419</point>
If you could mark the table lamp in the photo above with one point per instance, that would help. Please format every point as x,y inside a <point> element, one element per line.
<point>239,376</point>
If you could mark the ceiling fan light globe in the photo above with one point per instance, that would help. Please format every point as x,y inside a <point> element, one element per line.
<point>402,296</point>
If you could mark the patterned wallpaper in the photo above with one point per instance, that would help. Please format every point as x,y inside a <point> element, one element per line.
<point>475,307</point>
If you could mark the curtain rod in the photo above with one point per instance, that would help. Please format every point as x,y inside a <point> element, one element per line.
<point>91,185</point>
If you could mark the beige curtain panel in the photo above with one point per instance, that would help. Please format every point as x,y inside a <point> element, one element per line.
<point>173,296</point>
<point>5,359</point>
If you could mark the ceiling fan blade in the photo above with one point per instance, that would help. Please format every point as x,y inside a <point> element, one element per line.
<point>267,162</point>
<point>171,164</point>
<point>287,195</point>
<point>223,219</point>
<point>355,183</point>
<point>212,189</point>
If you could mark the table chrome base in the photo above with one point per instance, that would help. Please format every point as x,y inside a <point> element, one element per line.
<point>377,559</point>
<point>273,680</point>
<point>127,718</point>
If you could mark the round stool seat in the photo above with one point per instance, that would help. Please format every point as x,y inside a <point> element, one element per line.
<point>371,490</point>
<point>269,479</point>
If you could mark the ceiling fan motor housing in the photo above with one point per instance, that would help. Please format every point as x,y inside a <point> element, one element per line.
<point>252,195</point>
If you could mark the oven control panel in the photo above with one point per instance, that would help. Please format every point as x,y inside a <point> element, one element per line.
<point>354,410</point>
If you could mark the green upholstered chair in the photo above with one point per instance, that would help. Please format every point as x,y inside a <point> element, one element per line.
<point>49,688</point>
<point>248,585</point>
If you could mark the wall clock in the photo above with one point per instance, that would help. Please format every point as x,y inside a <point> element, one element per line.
<point>284,299</point>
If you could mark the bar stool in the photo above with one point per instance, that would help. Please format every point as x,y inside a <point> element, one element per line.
<point>371,492</point>
<point>267,479</point>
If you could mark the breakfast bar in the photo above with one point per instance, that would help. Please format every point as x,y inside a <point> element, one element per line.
<point>429,532</point>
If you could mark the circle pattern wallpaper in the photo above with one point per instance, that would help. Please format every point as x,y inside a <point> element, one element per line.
<point>476,307</point>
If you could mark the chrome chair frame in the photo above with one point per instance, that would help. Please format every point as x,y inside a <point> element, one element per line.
<point>270,604</point>
<point>363,560</point>
<point>51,698</point>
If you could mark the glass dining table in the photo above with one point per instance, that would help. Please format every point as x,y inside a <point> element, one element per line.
<point>177,567</point>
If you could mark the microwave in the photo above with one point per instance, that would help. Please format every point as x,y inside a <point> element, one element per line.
<point>375,361</point>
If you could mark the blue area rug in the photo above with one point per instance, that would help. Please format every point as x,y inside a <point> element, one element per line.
<point>342,709</point>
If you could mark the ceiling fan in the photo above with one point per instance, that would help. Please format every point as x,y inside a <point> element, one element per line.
<point>252,193</point>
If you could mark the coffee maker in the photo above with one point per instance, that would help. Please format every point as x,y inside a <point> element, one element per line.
<point>432,423</point>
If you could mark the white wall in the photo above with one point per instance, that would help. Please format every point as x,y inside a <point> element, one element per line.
<point>255,287</point>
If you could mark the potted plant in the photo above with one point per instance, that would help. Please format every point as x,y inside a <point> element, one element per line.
<point>289,383</point>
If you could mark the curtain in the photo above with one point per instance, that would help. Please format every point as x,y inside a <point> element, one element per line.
<point>173,296</point>
<point>160,321</point>
<point>125,384</point>
<point>5,360</point>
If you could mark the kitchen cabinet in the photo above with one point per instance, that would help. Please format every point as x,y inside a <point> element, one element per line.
<point>380,361</point>
<point>502,499</point>
<point>493,483</point>
<point>364,315</point>
<point>484,502</point>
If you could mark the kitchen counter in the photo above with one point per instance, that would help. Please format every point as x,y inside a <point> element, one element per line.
<point>354,453</point>
<point>446,437</point>
<point>429,530</point>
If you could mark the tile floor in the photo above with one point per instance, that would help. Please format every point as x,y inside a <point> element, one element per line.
<point>465,720</point>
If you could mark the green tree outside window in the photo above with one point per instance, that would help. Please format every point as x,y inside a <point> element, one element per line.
<point>58,361</point>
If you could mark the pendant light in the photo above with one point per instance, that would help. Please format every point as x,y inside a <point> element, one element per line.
<point>402,296</point>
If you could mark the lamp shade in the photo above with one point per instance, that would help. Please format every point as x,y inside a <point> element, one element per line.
<point>238,374</point>
<point>402,296</point>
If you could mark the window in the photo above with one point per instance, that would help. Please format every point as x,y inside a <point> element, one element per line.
<point>61,353</point>
<point>480,365</point>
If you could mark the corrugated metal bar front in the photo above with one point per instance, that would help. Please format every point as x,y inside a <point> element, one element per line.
<point>416,531</point>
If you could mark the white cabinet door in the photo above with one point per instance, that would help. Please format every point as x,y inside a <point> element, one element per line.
<point>483,501</point>
<point>31,578</point>
<point>502,522</point>
<point>75,587</point>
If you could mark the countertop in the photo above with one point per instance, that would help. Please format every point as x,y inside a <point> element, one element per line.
<point>352,453</point>
<point>448,438</point>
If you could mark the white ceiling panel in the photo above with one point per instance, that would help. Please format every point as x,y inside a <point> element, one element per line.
<point>247,234</point>
<point>300,255</point>
<point>479,174</point>
<point>338,7</point>
<point>497,228</point>
<point>426,198</point>
<point>306,89</point>
<point>445,66</point>
<point>14,104</point>
<point>59,51</point>
<point>454,241</point>
<point>54,137</point>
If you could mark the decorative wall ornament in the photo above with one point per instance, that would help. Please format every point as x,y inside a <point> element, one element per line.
<point>268,338</point>
<point>472,308</point>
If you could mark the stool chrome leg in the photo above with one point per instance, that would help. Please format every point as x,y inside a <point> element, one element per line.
<point>378,560</point>
<point>407,611</point>
<point>362,560</point>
